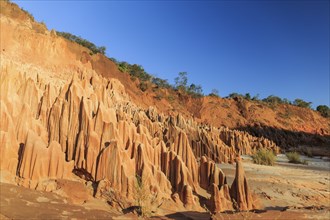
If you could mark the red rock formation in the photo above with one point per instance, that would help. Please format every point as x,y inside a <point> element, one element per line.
<point>239,190</point>
<point>220,198</point>
<point>79,128</point>
<point>62,118</point>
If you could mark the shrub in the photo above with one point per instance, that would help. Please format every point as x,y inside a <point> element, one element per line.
<point>247,96</point>
<point>181,81</point>
<point>324,110</point>
<point>195,90</point>
<point>301,103</point>
<point>255,98</point>
<point>274,100</point>
<point>235,95</point>
<point>293,157</point>
<point>138,72</point>
<point>264,157</point>
<point>146,200</point>
<point>161,83</point>
<point>214,93</point>
<point>83,42</point>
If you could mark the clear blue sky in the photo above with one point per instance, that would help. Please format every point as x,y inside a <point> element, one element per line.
<point>261,47</point>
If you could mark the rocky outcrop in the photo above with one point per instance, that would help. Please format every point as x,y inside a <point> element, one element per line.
<point>220,198</point>
<point>239,190</point>
<point>88,128</point>
<point>61,120</point>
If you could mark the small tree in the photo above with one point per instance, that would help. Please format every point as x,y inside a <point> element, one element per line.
<point>286,101</point>
<point>324,110</point>
<point>255,98</point>
<point>181,81</point>
<point>302,103</point>
<point>137,71</point>
<point>102,49</point>
<point>83,42</point>
<point>160,83</point>
<point>273,100</point>
<point>214,92</point>
<point>123,67</point>
<point>247,96</point>
<point>195,90</point>
<point>235,95</point>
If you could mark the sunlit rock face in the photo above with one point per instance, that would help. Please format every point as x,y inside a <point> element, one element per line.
<point>88,124</point>
<point>60,120</point>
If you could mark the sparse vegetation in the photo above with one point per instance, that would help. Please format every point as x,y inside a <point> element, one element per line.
<point>273,100</point>
<point>301,103</point>
<point>161,83</point>
<point>181,81</point>
<point>195,90</point>
<point>235,95</point>
<point>181,84</point>
<point>138,72</point>
<point>214,93</point>
<point>115,199</point>
<point>145,200</point>
<point>294,157</point>
<point>83,42</point>
<point>323,110</point>
<point>264,157</point>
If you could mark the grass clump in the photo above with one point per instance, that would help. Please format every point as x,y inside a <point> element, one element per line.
<point>264,157</point>
<point>294,157</point>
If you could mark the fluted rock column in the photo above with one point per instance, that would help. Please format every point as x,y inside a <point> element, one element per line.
<point>239,190</point>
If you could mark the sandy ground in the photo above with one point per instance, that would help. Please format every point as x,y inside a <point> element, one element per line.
<point>287,191</point>
<point>22,203</point>
<point>287,184</point>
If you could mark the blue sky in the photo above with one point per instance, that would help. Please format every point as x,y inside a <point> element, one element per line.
<point>258,47</point>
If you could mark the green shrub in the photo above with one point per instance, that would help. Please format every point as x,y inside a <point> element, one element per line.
<point>293,157</point>
<point>161,83</point>
<point>234,95</point>
<point>147,202</point>
<point>83,42</point>
<point>195,90</point>
<point>273,100</point>
<point>324,110</point>
<point>301,103</point>
<point>264,157</point>
<point>181,81</point>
